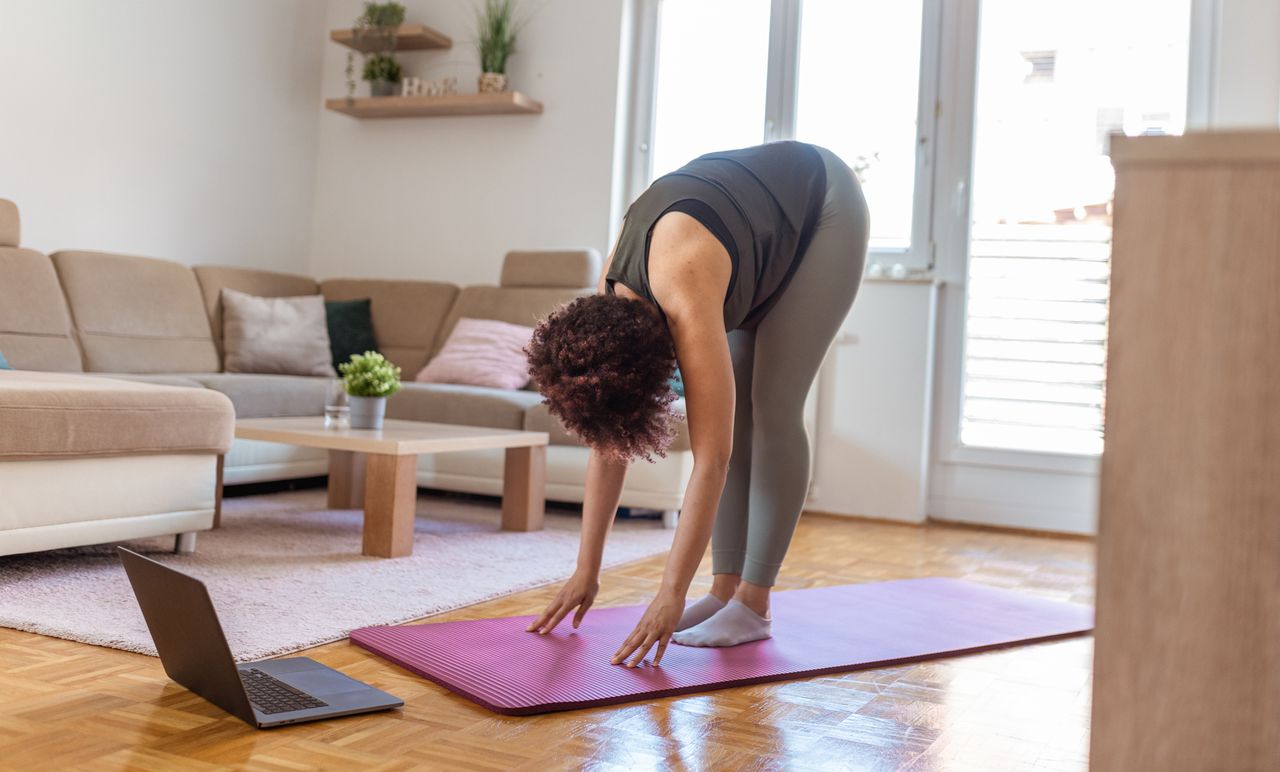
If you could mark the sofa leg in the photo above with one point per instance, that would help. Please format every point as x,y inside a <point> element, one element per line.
<point>670,518</point>
<point>185,543</point>
<point>217,493</point>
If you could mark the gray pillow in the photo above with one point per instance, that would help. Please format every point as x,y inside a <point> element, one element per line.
<point>287,336</point>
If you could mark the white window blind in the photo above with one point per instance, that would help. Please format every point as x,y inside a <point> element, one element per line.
<point>1036,337</point>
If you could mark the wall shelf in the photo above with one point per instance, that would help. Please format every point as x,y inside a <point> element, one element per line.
<point>505,103</point>
<point>409,37</point>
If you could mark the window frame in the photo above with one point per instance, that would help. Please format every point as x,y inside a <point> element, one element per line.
<point>781,92</point>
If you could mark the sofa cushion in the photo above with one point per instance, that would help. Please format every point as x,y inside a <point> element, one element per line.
<point>35,326</point>
<point>516,305</point>
<point>10,225</point>
<point>406,314</point>
<point>482,352</point>
<point>251,281</point>
<point>572,268</point>
<point>185,380</point>
<point>49,415</point>
<point>539,419</point>
<point>268,396</point>
<point>136,314</point>
<point>461,405</point>
<point>350,325</point>
<point>285,336</point>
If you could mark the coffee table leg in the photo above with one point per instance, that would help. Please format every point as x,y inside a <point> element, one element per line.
<point>390,498</point>
<point>524,489</point>
<point>346,479</point>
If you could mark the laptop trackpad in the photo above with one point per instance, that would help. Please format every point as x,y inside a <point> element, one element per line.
<point>318,680</point>
<point>321,681</point>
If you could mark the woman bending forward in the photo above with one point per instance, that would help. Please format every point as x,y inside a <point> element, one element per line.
<point>739,267</point>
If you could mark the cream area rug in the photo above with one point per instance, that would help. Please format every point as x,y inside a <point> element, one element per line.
<point>286,574</point>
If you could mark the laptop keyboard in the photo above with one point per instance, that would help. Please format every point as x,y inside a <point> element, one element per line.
<point>271,695</point>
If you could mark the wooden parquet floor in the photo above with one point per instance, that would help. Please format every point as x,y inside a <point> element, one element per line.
<point>67,705</point>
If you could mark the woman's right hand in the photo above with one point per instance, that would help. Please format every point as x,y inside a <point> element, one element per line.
<point>577,593</point>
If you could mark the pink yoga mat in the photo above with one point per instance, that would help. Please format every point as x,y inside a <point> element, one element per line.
<point>826,630</point>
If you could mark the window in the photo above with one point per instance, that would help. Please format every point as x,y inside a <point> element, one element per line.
<point>859,99</point>
<point>1055,77</point>
<point>732,73</point>
<point>713,58</point>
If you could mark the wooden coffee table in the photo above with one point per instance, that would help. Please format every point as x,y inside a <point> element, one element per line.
<point>377,469</point>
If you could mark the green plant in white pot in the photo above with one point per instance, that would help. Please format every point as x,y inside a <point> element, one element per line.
<point>383,73</point>
<point>369,379</point>
<point>496,39</point>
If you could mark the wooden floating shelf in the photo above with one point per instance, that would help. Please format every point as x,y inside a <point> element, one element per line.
<point>505,103</point>
<point>409,37</point>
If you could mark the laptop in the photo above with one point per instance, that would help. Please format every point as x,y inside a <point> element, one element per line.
<point>194,652</point>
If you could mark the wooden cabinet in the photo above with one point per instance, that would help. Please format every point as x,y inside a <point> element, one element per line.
<point>1187,665</point>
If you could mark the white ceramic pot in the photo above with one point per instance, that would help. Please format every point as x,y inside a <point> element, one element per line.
<point>367,412</point>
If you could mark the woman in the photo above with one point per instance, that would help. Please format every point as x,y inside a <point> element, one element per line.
<point>766,244</point>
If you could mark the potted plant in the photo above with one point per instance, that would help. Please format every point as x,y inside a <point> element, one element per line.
<point>496,41</point>
<point>383,73</point>
<point>369,379</point>
<point>375,33</point>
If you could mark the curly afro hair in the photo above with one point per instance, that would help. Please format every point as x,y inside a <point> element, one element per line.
<point>603,365</point>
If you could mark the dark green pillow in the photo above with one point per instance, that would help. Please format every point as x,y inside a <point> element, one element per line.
<point>350,328</point>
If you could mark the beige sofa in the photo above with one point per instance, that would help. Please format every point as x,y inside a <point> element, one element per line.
<point>86,460</point>
<point>159,321</point>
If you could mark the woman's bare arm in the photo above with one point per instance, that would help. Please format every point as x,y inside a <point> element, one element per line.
<point>684,273</point>
<point>605,477</point>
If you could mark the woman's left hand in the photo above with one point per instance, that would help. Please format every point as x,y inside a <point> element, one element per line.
<point>655,627</point>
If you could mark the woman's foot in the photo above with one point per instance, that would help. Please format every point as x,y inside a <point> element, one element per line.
<point>699,611</point>
<point>733,625</point>
<point>723,587</point>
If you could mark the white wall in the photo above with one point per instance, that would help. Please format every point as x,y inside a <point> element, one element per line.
<point>1245,62</point>
<point>445,198</point>
<point>182,129</point>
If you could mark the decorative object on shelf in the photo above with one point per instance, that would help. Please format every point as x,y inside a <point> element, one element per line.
<point>369,379</point>
<point>496,41</point>
<point>375,33</point>
<point>411,86</point>
<point>383,73</point>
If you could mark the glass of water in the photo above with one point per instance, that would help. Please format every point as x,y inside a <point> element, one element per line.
<point>336,408</point>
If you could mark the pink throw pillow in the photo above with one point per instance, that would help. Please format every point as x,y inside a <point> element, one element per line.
<point>482,352</point>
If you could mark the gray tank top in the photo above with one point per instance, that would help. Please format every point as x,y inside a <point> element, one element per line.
<point>768,198</point>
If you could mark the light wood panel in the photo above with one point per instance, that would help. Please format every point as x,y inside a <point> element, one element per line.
<point>396,437</point>
<point>1197,147</point>
<point>65,705</point>
<point>346,479</point>
<point>1189,567</point>
<point>524,489</point>
<point>409,37</point>
<point>505,103</point>
<point>389,501</point>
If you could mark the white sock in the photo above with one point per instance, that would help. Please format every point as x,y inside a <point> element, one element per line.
<point>699,611</point>
<point>734,624</point>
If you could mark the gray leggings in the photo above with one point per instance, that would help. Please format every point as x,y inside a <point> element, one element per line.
<point>773,367</point>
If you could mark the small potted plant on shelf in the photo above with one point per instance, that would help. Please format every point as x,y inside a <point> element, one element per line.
<point>383,73</point>
<point>369,379</point>
<point>496,40</point>
<point>375,33</point>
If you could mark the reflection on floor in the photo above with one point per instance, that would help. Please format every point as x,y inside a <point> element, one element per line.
<point>65,704</point>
